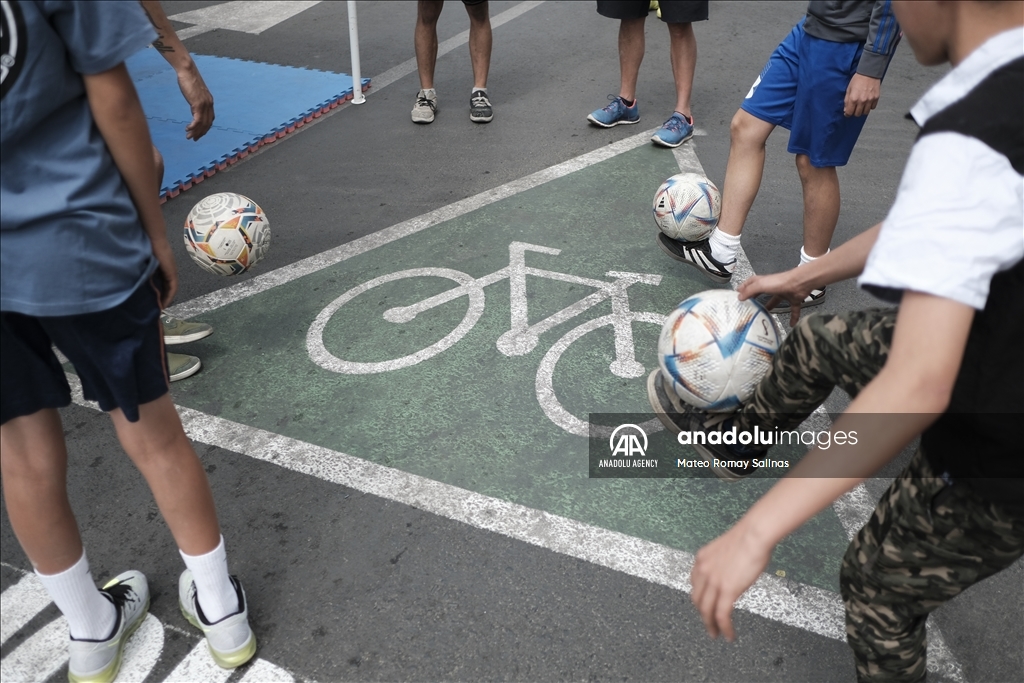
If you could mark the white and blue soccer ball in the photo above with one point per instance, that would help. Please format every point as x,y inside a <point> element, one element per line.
<point>715,349</point>
<point>687,207</point>
<point>227,233</point>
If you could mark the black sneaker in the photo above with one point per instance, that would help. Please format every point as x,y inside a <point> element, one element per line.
<point>698,255</point>
<point>815,298</point>
<point>480,107</point>
<point>678,416</point>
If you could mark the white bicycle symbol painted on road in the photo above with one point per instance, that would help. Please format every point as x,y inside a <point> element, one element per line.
<point>522,338</point>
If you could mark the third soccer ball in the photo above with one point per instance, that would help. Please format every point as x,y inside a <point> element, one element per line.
<point>227,233</point>
<point>715,349</point>
<point>687,207</point>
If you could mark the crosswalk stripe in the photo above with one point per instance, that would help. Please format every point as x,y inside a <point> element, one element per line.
<point>39,657</point>
<point>19,604</point>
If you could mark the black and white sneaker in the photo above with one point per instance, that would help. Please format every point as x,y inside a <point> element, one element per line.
<point>678,416</point>
<point>480,110</point>
<point>698,255</point>
<point>815,298</point>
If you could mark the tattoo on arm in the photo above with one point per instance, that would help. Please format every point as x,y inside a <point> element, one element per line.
<point>159,43</point>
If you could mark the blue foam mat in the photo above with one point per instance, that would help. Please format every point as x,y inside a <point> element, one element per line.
<point>254,103</point>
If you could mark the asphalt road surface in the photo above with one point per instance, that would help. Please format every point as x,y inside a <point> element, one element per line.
<point>432,522</point>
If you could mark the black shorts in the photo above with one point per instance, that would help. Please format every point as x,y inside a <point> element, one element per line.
<point>672,11</point>
<point>118,354</point>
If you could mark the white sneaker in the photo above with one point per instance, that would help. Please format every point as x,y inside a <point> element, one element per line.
<point>98,661</point>
<point>230,640</point>
<point>425,108</point>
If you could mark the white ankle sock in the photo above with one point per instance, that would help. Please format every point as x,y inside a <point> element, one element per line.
<point>483,90</point>
<point>429,92</point>
<point>804,258</point>
<point>90,615</point>
<point>216,595</point>
<point>724,246</point>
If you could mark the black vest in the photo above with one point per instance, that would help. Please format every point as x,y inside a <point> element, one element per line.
<point>979,440</point>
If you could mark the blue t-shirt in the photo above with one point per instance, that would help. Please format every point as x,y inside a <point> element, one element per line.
<point>70,238</point>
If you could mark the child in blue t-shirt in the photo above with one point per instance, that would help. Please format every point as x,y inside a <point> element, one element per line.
<point>86,267</point>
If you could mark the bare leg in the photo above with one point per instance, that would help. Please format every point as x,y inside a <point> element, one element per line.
<point>425,37</point>
<point>159,448</point>
<point>684,63</point>
<point>631,54</point>
<point>821,205</point>
<point>479,42</point>
<point>743,172</point>
<point>34,462</point>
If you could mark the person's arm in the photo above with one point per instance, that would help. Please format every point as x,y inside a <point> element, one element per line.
<point>191,82</point>
<point>883,36</point>
<point>119,117</point>
<point>910,393</point>
<point>795,284</point>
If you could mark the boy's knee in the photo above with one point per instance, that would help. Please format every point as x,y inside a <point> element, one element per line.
<point>478,13</point>
<point>744,130</point>
<point>428,11</point>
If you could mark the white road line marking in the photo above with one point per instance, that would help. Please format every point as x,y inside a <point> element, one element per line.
<point>40,656</point>
<point>263,671</point>
<point>791,603</point>
<point>312,264</point>
<point>198,665</point>
<point>143,650</point>
<point>248,17</point>
<point>19,604</point>
<point>855,507</point>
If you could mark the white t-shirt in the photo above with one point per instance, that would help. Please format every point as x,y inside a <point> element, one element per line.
<point>958,218</point>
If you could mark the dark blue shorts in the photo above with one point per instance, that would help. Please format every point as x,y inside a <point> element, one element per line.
<point>802,88</point>
<point>117,353</point>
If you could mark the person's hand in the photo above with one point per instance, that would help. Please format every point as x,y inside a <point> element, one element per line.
<point>861,95</point>
<point>785,285</point>
<point>198,96</point>
<point>724,569</point>
<point>168,269</point>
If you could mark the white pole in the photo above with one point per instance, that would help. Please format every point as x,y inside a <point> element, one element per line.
<point>353,45</point>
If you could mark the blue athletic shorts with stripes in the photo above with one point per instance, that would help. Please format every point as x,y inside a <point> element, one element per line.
<point>803,88</point>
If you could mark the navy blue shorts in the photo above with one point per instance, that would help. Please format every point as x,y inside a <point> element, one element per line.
<point>803,89</point>
<point>118,354</point>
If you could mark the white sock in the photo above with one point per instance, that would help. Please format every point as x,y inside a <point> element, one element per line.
<point>483,90</point>
<point>429,92</point>
<point>216,595</point>
<point>724,246</point>
<point>805,259</point>
<point>90,615</point>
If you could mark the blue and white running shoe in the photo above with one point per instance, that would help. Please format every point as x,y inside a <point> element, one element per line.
<point>674,132</point>
<point>615,113</point>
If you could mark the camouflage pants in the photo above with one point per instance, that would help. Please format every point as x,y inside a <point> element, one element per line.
<point>926,542</point>
<point>822,352</point>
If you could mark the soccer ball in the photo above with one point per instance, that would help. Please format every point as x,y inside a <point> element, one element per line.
<point>716,348</point>
<point>687,206</point>
<point>227,233</point>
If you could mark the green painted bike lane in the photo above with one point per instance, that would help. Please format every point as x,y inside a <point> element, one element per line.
<point>470,416</point>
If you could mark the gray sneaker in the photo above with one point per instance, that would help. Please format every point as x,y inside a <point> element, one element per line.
<point>180,366</point>
<point>230,640</point>
<point>98,661</point>
<point>182,331</point>
<point>678,416</point>
<point>425,108</point>
<point>480,110</point>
